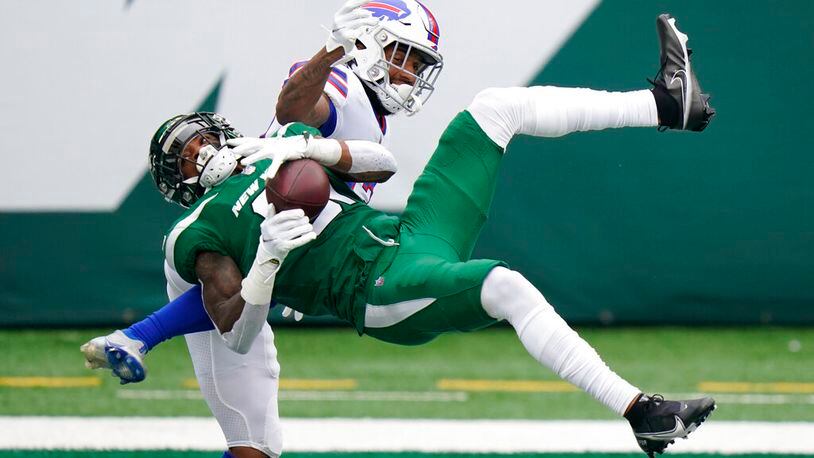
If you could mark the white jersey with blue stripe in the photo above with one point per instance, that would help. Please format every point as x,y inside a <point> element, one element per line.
<point>351,116</point>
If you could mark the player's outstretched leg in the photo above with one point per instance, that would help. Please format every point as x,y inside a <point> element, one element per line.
<point>119,353</point>
<point>675,102</point>
<point>123,351</point>
<point>548,111</point>
<point>547,337</point>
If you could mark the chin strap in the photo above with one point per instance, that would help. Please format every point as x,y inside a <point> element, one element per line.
<point>412,104</point>
<point>215,166</point>
<point>401,97</point>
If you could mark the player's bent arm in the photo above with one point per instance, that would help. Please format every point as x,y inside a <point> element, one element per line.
<point>220,279</point>
<point>239,306</point>
<point>238,321</point>
<point>353,160</point>
<point>302,98</point>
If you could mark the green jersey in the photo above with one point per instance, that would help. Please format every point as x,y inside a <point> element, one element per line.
<point>402,280</point>
<point>327,276</point>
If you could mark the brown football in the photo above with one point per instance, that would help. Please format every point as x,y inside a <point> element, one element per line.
<point>299,184</point>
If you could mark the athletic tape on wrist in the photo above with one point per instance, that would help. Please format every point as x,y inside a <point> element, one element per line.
<point>326,151</point>
<point>258,285</point>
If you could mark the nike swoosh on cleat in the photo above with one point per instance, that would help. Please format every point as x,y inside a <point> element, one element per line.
<point>678,430</point>
<point>681,76</point>
<point>686,84</point>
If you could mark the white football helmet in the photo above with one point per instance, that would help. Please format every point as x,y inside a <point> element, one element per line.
<point>411,27</point>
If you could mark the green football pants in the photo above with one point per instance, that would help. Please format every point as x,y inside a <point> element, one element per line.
<point>427,285</point>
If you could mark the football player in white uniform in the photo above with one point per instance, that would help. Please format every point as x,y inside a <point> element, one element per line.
<point>381,58</point>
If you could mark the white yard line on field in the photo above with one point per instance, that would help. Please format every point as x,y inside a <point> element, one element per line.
<point>395,435</point>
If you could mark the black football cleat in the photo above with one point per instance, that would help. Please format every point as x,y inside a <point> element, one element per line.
<point>657,422</point>
<point>677,78</point>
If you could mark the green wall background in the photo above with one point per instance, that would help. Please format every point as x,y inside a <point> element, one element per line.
<point>630,226</point>
<point>77,269</point>
<point>638,226</point>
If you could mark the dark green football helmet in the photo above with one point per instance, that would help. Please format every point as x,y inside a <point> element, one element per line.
<point>169,142</point>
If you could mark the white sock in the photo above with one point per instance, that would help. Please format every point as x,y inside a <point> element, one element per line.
<point>547,111</point>
<point>548,338</point>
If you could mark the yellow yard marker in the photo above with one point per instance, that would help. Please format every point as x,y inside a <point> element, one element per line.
<point>748,387</point>
<point>516,386</point>
<point>316,384</point>
<point>50,382</point>
<point>302,384</point>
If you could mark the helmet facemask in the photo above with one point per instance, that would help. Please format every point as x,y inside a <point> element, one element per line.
<point>213,164</point>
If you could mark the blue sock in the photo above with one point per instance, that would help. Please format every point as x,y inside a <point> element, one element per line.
<point>226,454</point>
<point>184,315</point>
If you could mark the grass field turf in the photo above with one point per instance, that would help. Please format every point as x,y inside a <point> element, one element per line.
<point>668,360</point>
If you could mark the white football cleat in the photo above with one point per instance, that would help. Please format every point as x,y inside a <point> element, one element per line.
<point>121,354</point>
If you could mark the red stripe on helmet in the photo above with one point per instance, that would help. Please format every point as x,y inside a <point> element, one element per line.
<point>434,32</point>
<point>383,6</point>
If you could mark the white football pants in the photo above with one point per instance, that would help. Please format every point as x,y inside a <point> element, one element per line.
<point>240,390</point>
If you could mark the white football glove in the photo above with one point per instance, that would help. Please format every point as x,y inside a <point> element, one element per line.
<point>281,150</point>
<point>287,311</point>
<point>279,234</point>
<point>349,23</point>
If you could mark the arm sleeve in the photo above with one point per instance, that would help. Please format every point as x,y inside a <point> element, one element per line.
<point>370,157</point>
<point>246,328</point>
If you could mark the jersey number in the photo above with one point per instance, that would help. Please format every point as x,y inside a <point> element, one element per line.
<point>260,204</point>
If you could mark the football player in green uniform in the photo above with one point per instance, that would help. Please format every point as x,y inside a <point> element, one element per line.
<point>407,279</point>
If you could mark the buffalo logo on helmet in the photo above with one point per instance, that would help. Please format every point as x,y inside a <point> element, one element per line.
<point>394,10</point>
